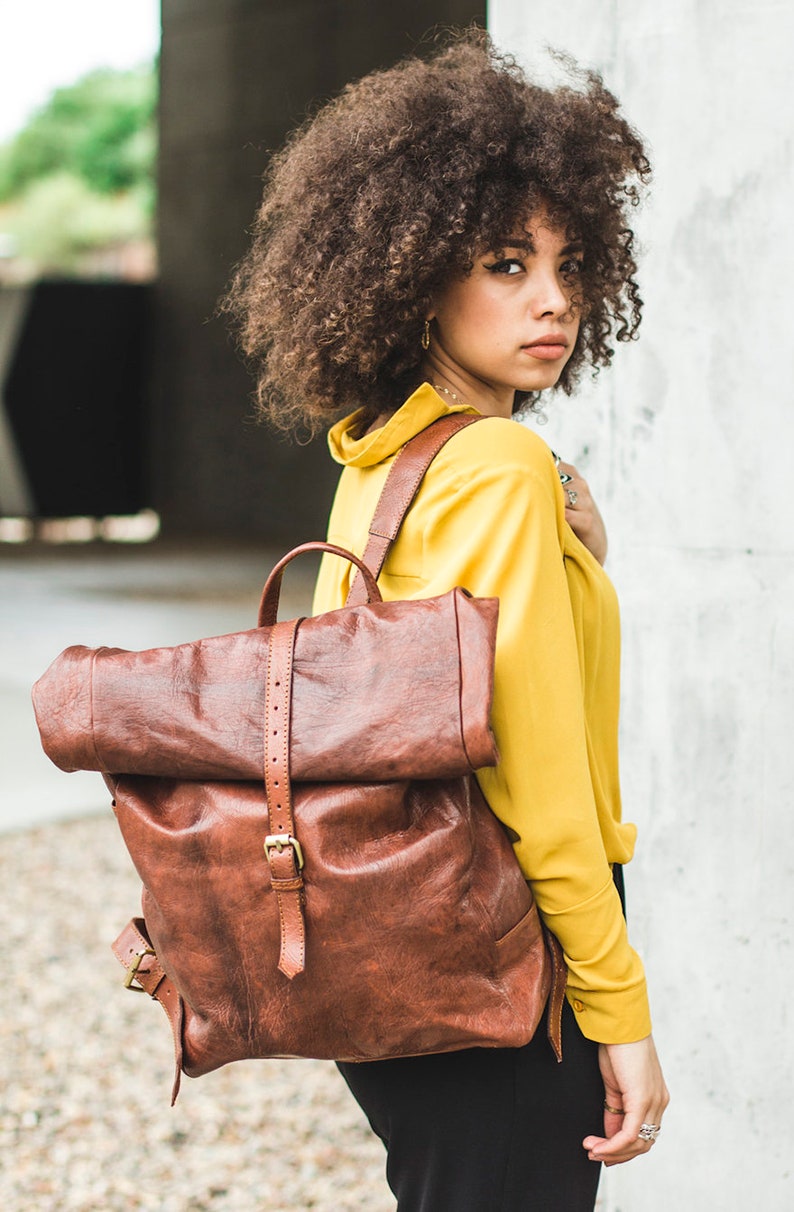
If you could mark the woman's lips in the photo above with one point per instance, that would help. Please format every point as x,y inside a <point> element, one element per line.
<point>546,352</point>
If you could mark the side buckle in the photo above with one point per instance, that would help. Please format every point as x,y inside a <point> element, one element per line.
<point>278,841</point>
<point>132,971</point>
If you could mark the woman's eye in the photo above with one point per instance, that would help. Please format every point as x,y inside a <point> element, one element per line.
<point>571,268</point>
<point>510,265</point>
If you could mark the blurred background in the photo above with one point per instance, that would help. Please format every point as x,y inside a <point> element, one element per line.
<point>140,505</point>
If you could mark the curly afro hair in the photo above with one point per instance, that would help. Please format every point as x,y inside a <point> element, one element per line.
<point>388,193</point>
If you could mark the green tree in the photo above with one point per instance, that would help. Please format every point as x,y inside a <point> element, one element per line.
<point>101,129</point>
<point>62,219</point>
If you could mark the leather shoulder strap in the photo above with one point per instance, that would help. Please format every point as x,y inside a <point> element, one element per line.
<point>402,484</point>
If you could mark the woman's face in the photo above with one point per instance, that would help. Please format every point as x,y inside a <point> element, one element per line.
<point>511,324</point>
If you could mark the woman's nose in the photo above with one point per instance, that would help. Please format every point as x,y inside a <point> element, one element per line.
<point>549,297</point>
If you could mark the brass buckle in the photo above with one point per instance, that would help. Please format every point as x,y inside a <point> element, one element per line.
<point>277,841</point>
<point>132,971</point>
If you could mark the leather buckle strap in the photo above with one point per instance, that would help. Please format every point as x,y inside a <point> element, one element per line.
<point>282,848</point>
<point>132,972</point>
<point>559,979</point>
<point>133,948</point>
<point>402,484</point>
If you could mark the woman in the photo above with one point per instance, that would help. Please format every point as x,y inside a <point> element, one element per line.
<point>449,237</point>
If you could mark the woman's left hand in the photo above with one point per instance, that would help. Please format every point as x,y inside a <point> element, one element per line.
<point>581,513</point>
<point>636,1098</point>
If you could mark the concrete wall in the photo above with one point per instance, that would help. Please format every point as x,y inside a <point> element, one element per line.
<point>236,75</point>
<point>688,443</point>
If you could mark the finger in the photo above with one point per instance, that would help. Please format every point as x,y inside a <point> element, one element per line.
<point>613,1121</point>
<point>568,469</point>
<point>569,477</point>
<point>575,499</point>
<point>625,1138</point>
<point>577,496</point>
<point>612,1151</point>
<point>625,1144</point>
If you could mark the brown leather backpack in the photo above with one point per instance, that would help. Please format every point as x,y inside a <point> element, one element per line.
<point>321,874</point>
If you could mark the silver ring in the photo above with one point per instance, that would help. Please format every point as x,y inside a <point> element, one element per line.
<point>573,496</point>
<point>564,477</point>
<point>649,1132</point>
<point>556,458</point>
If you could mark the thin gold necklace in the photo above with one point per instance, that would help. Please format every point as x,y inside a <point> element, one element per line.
<point>451,394</point>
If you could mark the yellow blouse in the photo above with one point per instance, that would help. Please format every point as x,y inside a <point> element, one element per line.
<point>490,516</point>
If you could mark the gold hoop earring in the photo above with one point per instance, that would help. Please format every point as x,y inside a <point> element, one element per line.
<point>426,336</point>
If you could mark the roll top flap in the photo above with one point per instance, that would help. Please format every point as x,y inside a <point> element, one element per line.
<point>393,690</point>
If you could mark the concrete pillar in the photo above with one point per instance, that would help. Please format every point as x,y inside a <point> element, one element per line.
<point>236,76</point>
<point>687,444</point>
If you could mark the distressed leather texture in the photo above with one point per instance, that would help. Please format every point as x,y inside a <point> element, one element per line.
<point>321,874</point>
<point>368,680</point>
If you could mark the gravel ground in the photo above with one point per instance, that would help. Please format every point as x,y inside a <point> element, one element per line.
<point>85,1122</point>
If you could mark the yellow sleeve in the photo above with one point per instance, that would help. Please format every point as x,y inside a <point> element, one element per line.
<point>490,517</point>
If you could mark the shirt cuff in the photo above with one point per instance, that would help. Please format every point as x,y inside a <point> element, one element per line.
<point>611,1017</point>
<point>606,979</point>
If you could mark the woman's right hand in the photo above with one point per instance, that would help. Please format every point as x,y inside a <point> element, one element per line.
<point>584,519</point>
<point>633,1085</point>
